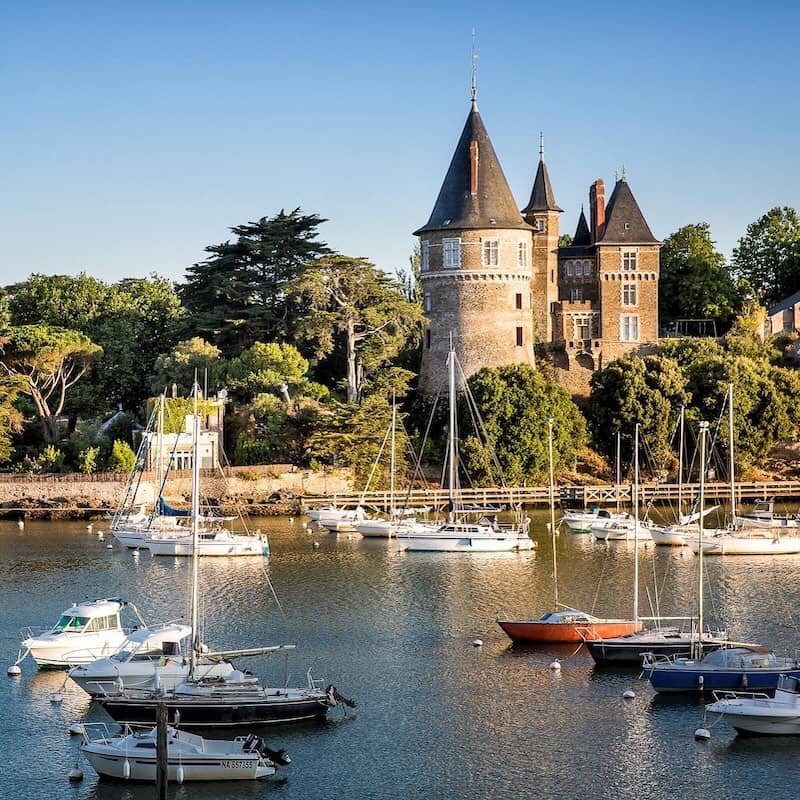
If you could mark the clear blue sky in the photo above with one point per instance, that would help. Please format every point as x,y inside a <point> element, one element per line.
<point>135,134</point>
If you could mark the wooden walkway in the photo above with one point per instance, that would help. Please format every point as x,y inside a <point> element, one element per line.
<point>577,496</point>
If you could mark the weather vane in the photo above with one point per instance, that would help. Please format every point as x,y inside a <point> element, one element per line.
<point>474,71</point>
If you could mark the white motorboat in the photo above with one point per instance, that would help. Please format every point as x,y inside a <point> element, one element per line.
<point>613,530</point>
<point>346,520</point>
<point>149,658</point>
<point>763,515</point>
<point>85,632</point>
<point>757,712</point>
<point>483,536</point>
<point>131,755</point>
<point>219,542</point>
<point>672,535</point>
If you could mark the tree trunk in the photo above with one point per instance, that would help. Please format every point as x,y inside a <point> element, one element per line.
<point>352,365</point>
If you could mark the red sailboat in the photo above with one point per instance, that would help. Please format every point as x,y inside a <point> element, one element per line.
<point>564,624</point>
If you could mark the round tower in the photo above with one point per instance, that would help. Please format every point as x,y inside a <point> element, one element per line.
<point>476,266</point>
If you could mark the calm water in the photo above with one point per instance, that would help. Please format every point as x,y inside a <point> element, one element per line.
<point>437,718</point>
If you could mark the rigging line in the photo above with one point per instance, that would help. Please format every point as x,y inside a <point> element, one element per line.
<point>375,466</point>
<point>600,580</point>
<point>274,594</point>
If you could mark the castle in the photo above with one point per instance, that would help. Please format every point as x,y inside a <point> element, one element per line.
<point>495,278</point>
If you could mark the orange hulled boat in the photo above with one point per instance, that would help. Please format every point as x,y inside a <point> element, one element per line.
<point>565,626</point>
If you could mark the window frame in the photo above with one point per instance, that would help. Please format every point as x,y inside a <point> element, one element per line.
<point>490,252</point>
<point>629,323</point>
<point>451,246</point>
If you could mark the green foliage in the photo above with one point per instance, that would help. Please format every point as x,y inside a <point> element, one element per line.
<point>266,367</point>
<point>647,390</point>
<point>51,459</point>
<point>10,416</point>
<point>565,240</point>
<point>238,295</point>
<point>176,409</point>
<point>768,255</point>
<point>352,302</point>
<point>88,460</point>
<point>515,403</point>
<point>188,358</point>
<point>132,321</point>
<point>51,360</point>
<point>694,282</point>
<point>122,458</point>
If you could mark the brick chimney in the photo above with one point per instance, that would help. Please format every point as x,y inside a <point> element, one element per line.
<point>597,209</point>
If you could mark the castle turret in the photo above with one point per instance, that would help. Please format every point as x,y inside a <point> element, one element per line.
<point>541,214</point>
<point>476,265</point>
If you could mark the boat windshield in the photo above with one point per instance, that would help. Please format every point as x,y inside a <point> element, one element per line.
<point>70,623</point>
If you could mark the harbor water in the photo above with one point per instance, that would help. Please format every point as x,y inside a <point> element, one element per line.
<point>437,716</point>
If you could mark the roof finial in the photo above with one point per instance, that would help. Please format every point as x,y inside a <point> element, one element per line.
<point>474,73</point>
<point>623,172</point>
<point>541,146</point>
<point>616,175</point>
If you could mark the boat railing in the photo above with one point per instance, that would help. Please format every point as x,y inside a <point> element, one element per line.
<point>660,659</point>
<point>31,632</point>
<point>722,695</point>
<point>96,732</point>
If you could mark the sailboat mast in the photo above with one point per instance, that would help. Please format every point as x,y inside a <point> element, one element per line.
<point>730,451</point>
<point>636,525</point>
<point>701,526</point>
<point>680,464</point>
<point>195,528</point>
<point>451,455</point>
<point>618,468</point>
<point>552,511</point>
<point>392,509</point>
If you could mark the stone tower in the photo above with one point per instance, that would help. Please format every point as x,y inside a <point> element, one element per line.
<point>541,214</point>
<point>476,266</point>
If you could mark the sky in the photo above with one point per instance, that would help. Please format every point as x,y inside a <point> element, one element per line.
<point>136,134</point>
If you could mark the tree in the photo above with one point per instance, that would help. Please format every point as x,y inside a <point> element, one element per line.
<point>132,321</point>
<point>768,255</point>
<point>352,301</point>
<point>238,296</point>
<point>515,403</point>
<point>10,416</point>
<point>190,358</point>
<point>51,360</point>
<point>268,367</point>
<point>647,390</point>
<point>122,458</point>
<point>694,281</point>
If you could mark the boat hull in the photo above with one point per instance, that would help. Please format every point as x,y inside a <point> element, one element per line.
<point>217,713</point>
<point>536,632</point>
<point>612,652</point>
<point>747,545</point>
<point>688,679</point>
<point>67,650</point>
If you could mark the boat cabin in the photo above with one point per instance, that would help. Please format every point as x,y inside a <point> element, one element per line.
<point>101,615</point>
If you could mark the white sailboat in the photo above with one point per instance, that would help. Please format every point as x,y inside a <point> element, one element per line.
<point>239,699</point>
<point>461,534</point>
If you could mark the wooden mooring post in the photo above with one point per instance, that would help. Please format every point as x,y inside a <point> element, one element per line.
<point>162,767</point>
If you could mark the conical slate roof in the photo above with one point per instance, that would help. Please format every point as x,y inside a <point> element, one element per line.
<point>625,223</point>
<point>475,193</point>
<point>542,197</point>
<point>583,237</point>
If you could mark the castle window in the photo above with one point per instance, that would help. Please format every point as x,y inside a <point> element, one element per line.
<point>519,337</point>
<point>587,268</point>
<point>576,293</point>
<point>522,254</point>
<point>629,329</point>
<point>490,252</point>
<point>583,328</point>
<point>540,224</point>
<point>427,301</point>
<point>629,258</point>
<point>451,253</point>
<point>518,300</point>
<point>425,255</point>
<point>629,294</point>
<point>569,269</point>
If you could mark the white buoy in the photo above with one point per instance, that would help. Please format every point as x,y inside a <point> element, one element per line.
<point>477,642</point>
<point>14,670</point>
<point>135,553</point>
<point>76,729</point>
<point>75,774</point>
<point>20,523</point>
<point>179,774</point>
<point>628,694</point>
<point>316,545</point>
<point>109,547</point>
<point>702,734</point>
<point>305,525</point>
<point>89,527</point>
<point>56,697</point>
<point>555,665</point>
<point>291,520</point>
